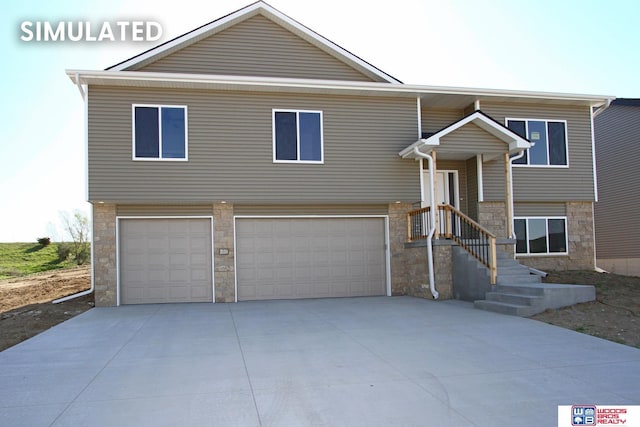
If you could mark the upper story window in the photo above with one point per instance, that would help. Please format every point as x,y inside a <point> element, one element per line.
<point>297,136</point>
<point>159,132</point>
<point>549,138</point>
<point>541,235</point>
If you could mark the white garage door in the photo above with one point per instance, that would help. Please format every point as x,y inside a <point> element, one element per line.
<point>285,258</point>
<point>165,260</point>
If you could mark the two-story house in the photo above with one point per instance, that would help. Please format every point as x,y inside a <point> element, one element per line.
<point>252,158</point>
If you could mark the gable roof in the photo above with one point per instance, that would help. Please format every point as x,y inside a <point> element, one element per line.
<point>257,8</point>
<point>515,142</point>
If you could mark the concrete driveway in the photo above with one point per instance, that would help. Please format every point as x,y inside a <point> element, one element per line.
<point>334,362</point>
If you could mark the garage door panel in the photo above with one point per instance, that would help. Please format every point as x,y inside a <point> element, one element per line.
<point>165,260</point>
<point>310,257</point>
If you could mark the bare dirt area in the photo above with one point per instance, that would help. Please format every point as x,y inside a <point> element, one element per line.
<point>25,303</point>
<point>615,315</point>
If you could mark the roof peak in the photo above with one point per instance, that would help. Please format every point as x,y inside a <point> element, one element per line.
<point>262,8</point>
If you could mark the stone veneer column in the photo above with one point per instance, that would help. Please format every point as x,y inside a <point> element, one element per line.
<point>493,216</point>
<point>397,238</point>
<point>104,254</point>
<point>224,270</point>
<point>442,270</point>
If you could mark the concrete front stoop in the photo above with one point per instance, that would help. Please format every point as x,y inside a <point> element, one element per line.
<point>520,293</point>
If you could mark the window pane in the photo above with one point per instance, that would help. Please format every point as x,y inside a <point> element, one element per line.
<point>521,235</point>
<point>557,144</point>
<point>173,133</point>
<point>537,236</point>
<point>557,235</point>
<point>286,136</point>
<point>538,135</point>
<point>147,132</point>
<point>518,126</point>
<point>310,145</point>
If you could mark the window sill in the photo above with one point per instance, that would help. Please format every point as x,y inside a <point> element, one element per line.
<point>541,166</point>
<point>544,255</point>
<point>144,159</point>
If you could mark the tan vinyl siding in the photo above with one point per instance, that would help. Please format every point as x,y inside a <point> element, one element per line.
<point>275,210</point>
<point>434,120</point>
<point>256,47</point>
<point>540,209</point>
<point>472,188</point>
<point>164,210</point>
<point>469,109</point>
<point>493,180</point>
<point>470,140</point>
<point>617,132</point>
<point>231,150</point>
<point>553,183</point>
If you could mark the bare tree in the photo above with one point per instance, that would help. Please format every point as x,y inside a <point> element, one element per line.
<point>76,224</point>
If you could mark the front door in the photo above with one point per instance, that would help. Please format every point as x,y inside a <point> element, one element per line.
<point>446,188</point>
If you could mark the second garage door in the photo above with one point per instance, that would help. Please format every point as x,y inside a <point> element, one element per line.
<point>285,258</point>
<point>165,260</point>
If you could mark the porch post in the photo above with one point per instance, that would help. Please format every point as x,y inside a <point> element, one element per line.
<point>508,194</point>
<point>436,234</point>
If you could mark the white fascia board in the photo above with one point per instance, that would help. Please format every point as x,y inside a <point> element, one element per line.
<point>98,77</point>
<point>409,151</point>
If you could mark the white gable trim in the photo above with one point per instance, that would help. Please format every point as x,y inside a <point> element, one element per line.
<point>258,8</point>
<point>516,142</point>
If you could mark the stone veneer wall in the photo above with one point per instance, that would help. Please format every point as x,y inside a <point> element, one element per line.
<point>443,270</point>
<point>493,216</point>
<point>397,238</point>
<point>224,269</point>
<point>581,242</point>
<point>104,254</point>
<point>409,268</point>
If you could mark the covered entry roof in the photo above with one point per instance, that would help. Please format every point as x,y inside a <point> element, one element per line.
<point>514,142</point>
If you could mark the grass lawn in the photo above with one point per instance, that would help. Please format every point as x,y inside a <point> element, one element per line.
<point>18,259</point>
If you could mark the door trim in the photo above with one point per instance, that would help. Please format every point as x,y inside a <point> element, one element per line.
<point>456,183</point>
<point>125,217</point>
<point>386,239</point>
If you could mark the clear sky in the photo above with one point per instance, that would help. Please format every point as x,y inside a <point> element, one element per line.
<point>574,46</point>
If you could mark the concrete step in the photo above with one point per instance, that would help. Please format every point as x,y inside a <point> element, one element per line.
<point>513,268</point>
<point>507,279</point>
<point>516,299</point>
<point>520,289</point>
<point>506,308</point>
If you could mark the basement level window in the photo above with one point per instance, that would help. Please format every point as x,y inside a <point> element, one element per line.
<point>541,235</point>
<point>159,132</point>
<point>297,136</point>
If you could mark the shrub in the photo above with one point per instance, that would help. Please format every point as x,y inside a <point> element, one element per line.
<point>44,241</point>
<point>64,250</point>
<point>82,255</point>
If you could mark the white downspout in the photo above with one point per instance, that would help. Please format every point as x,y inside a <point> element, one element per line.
<point>519,156</point>
<point>432,229</point>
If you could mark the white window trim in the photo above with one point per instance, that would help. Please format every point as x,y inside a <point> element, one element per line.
<point>160,158</point>
<point>546,218</point>
<point>273,128</point>
<point>526,124</point>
